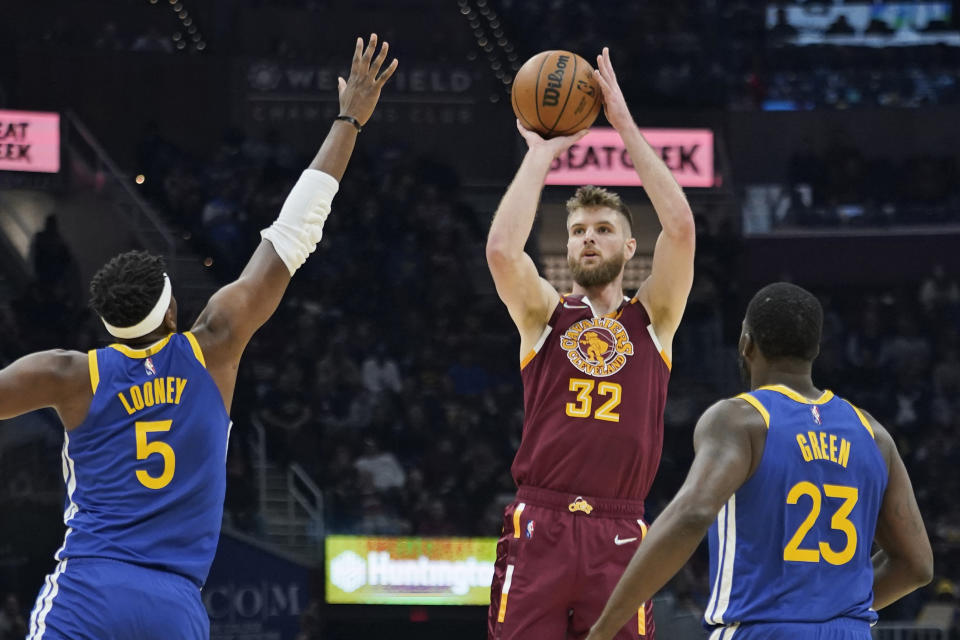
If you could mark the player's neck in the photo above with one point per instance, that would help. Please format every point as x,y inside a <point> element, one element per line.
<point>795,375</point>
<point>147,340</point>
<point>604,298</point>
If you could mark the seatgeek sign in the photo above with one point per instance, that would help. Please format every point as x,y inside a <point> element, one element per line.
<point>601,158</point>
<point>380,570</point>
<point>29,141</point>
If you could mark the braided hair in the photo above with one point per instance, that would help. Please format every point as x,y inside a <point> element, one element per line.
<point>125,289</point>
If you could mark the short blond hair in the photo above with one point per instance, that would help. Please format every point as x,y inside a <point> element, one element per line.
<point>592,196</point>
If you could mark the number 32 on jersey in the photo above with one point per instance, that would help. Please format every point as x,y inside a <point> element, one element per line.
<point>582,407</point>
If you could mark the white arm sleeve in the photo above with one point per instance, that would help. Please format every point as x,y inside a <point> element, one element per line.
<point>299,227</point>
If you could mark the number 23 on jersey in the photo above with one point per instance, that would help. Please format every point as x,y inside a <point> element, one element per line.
<point>838,522</point>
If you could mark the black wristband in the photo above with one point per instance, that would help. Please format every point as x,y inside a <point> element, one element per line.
<point>351,120</point>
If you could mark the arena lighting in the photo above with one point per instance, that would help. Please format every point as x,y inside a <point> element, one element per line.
<point>503,48</point>
<point>186,23</point>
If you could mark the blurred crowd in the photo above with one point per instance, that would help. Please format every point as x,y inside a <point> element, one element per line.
<point>684,54</point>
<point>696,54</point>
<point>842,186</point>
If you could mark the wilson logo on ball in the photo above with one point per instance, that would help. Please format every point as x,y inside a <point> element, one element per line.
<point>551,95</point>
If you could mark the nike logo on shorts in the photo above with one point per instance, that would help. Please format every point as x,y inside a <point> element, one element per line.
<point>619,541</point>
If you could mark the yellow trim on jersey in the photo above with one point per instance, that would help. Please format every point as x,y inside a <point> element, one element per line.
<point>793,395</point>
<point>642,620</point>
<point>863,419</point>
<point>141,353</point>
<point>196,347</point>
<point>663,354</point>
<point>758,406</point>
<point>516,519</point>
<point>526,360</point>
<point>94,369</point>
<point>660,349</point>
<point>507,580</point>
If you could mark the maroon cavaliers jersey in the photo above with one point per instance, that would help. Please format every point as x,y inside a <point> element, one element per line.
<point>594,389</point>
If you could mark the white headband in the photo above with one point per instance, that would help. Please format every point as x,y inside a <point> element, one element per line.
<point>153,320</point>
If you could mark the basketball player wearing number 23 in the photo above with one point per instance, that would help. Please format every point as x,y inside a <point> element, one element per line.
<point>595,366</point>
<point>795,484</point>
<point>146,419</point>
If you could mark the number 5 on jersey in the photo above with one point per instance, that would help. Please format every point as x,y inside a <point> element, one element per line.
<point>146,449</point>
<point>583,387</point>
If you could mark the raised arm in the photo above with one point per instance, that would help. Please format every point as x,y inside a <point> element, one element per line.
<point>236,311</point>
<point>665,292</point>
<point>724,441</point>
<point>905,560</point>
<point>529,298</point>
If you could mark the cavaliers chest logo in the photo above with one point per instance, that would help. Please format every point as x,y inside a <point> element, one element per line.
<point>597,346</point>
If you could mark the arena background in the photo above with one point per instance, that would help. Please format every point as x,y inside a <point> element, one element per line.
<point>377,413</point>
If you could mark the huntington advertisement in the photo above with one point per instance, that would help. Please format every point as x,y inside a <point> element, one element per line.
<point>442,571</point>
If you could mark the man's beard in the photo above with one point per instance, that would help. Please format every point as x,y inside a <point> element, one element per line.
<point>599,275</point>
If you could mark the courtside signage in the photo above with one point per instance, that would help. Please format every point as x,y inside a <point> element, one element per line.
<point>29,141</point>
<point>600,158</point>
<point>375,570</point>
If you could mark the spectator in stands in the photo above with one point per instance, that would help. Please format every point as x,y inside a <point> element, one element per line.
<point>109,38</point>
<point>379,519</point>
<point>285,412</point>
<point>380,372</point>
<point>13,624</point>
<point>937,291</point>
<point>841,27</point>
<point>381,466</point>
<point>782,30</point>
<point>152,41</point>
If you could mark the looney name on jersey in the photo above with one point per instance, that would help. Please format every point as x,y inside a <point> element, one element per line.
<point>597,346</point>
<point>157,391</point>
<point>823,446</point>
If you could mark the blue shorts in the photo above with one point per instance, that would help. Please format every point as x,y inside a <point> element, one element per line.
<point>838,629</point>
<point>99,599</point>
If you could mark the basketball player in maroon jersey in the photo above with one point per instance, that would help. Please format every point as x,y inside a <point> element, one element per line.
<point>595,366</point>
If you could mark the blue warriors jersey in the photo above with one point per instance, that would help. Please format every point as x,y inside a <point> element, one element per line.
<point>145,472</point>
<point>793,543</point>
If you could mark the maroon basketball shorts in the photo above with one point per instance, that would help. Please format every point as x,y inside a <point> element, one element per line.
<point>558,560</point>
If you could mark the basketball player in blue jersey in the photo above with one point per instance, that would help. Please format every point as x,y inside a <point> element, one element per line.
<point>147,419</point>
<point>794,484</point>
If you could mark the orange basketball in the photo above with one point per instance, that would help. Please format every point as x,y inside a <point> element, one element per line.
<point>554,93</point>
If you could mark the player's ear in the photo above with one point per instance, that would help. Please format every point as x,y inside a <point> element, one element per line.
<point>629,248</point>
<point>170,317</point>
<point>745,344</point>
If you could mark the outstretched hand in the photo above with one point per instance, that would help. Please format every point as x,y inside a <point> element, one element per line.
<point>555,145</point>
<point>614,104</point>
<point>361,91</point>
